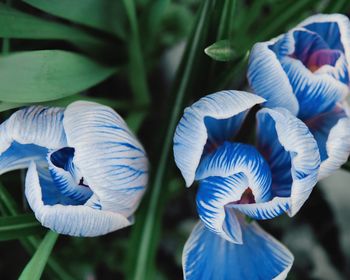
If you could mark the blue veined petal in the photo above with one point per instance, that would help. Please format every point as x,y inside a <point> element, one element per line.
<point>309,88</point>
<point>50,194</point>
<point>207,123</point>
<point>107,154</point>
<point>213,195</point>
<point>233,158</point>
<point>332,133</point>
<point>38,125</point>
<point>19,156</point>
<point>268,79</point>
<point>208,256</point>
<point>67,177</point>
<point>289,148</point>
<point>76,220</point>
<point>333,28</point>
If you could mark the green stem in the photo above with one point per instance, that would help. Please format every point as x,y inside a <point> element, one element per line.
<point>192,50</point>
<point>6,41</point>
<point>137,74</point>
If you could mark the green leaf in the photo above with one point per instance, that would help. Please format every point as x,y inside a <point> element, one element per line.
<point>38,76</point>
<point>19,25</point>
<point>105,15</point>
<point>14,227</point>
<point>36,265</point>
<point>221,51</point>
<point>136,67</point>
<point>135,119</point>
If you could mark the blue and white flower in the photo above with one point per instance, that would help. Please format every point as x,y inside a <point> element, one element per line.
<point>86,171</point>
<point>306,70</point>
<point>260,181</point>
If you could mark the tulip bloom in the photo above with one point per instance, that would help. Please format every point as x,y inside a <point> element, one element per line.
<point>306,71</point>
<point>236,180</point>
<point>86,170</point>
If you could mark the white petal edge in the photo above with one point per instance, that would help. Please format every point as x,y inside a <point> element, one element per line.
<point>296,139</point>
<point>208,256</point>
<point>267,78</point>
<point>74,220</point>
<point>107,154</point>
<point>191,133</point>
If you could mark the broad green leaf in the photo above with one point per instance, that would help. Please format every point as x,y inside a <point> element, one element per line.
<point>16,24</point>
<point>38,76</point>
<point>36,265</point>
<point>14,227</point>
<point>105,15</point>
<point>63,102</point>
<point>221,51</point>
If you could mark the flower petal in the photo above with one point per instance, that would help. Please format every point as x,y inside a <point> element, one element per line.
<point>67,180</point>
<point>211,120</point>
<point>72,220</point>
<point>333,28</point>
<point>208,256</point>
<point>268,79</point>
<point>332,133</point>
<point>309,88</point>
<point>107,154</point>
<point>213,195</point>
<point>38,125</point>
<point>289,148</point>
<point>233,158</point>
<point>19,156</point>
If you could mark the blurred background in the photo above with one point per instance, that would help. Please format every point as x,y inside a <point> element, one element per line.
<point>146,59</point>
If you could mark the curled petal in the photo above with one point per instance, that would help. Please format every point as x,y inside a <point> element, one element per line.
<point>67,180</point>
<point>36,125</point>
<point>308,87</point>
<point>107,154</point>
<point>213,195</point>
<point>333,28</point>
<point>206,125</point>
<point>332,133</point>
<point>268,79</point>
<point>233,158</point>
<point>76,220</point>
<point>289,148</point>
<point>19,156</point>
<point>208,256</point>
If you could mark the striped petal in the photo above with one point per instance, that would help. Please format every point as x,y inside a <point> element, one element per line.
<point>268,79</point>
<point>233,158</point>
<point>206,125</point>
<point>309,88</point>
<point>235,177</point>
<point>292,154</point>
<point>67,177</point>
<point>76,220</point>
<point>41,126</point>
<point>19,156</point>
<point>333,28</point>
<point>107,154</point>
<point>27,135</point>
<point>332,133</point>
<point>213,195</point>
<point>208,256</point>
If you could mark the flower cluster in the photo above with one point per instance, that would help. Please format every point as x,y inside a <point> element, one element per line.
<point>301,79</point>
